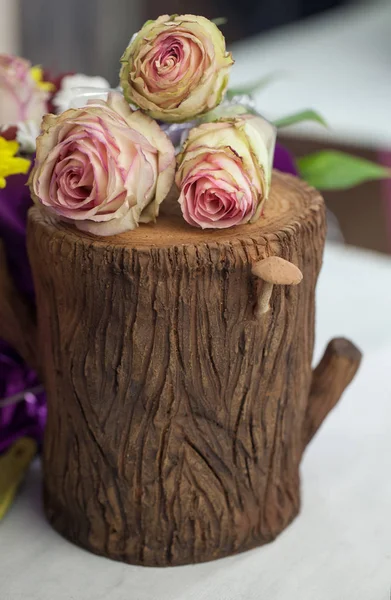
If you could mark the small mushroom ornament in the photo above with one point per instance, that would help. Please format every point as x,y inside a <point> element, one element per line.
<point>273,271</point>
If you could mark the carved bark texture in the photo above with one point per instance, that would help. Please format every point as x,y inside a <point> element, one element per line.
<point>177,420</point>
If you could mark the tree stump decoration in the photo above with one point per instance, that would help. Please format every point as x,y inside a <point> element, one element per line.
<point>178,411</point>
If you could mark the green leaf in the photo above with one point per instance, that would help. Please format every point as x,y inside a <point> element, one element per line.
<point>251,88</point>
<point>332,170</point>
<point>224,112</point>
<point>299,117</point>
<point>220,21</point>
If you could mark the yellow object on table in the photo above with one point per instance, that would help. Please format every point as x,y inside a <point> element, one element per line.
<point>13,467</point>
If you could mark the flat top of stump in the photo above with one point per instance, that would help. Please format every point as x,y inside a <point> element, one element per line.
<point>291,203</point>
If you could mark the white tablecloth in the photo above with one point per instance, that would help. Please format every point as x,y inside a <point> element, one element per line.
<point>339,548</point>
<point>337,63</point>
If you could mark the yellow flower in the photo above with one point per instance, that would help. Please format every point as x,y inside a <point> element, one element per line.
<point>37,74</point>
<point>9,163</point>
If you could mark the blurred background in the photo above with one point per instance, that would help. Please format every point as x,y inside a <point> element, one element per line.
<point>331,55</point>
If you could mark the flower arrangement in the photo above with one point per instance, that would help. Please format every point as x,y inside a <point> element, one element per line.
<point>107,159</point>
<point>108,164</point>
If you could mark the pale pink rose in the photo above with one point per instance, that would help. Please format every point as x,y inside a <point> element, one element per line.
<point>103,166</point>
<point>21,97</point>
<point>224,171</point>
<point>176,67</point>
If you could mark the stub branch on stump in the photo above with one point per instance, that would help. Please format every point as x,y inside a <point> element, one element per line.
<point>329,380</point>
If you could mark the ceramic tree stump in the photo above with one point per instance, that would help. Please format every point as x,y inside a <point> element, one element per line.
<point>178,370</point>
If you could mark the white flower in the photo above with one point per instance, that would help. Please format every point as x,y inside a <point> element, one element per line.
<point>26,135</point>
<point>76,88</point>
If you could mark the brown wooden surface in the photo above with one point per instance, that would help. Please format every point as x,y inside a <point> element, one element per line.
<point>177,420</point>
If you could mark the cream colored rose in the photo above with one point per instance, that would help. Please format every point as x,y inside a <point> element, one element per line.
<point>22,98</point>
<point>104,166</point>
<point>176,68</point>
<point>224,171</point>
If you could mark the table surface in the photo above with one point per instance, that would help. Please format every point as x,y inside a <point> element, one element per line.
<point>339,548</point>
<point>337,63</point>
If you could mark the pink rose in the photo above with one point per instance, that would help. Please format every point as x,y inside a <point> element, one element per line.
<point>176,67</point>
<point>23,96</point>
<point>103,166</point>
<point>224,171</point>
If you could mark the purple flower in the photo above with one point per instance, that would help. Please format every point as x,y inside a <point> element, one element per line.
<point>284,161</point>
<point>27,415</point>
<point>15,201</point>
